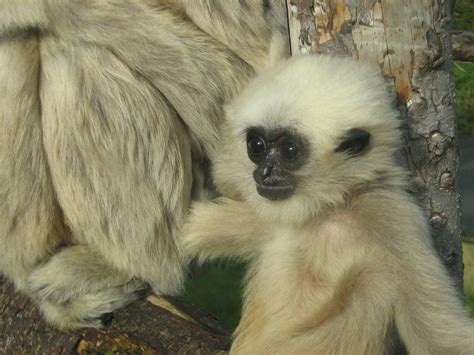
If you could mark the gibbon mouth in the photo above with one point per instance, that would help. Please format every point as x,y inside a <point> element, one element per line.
<point>275,193</point>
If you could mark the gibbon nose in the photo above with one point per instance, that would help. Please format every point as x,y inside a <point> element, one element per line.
<point>268,163</point>
<point>267,170</point>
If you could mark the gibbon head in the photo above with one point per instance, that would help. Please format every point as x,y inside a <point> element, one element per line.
<point>305,135</point>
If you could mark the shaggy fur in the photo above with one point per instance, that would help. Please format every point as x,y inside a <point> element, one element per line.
<point>346,262</point>
<point>107,109</point>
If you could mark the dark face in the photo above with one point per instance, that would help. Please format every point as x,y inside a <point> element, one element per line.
<point>278,153</point>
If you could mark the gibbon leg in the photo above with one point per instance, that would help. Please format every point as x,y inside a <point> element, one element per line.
<point>120,161</point>
<point>223,228</point>
<point>72,287</point>
<point>30,218</point>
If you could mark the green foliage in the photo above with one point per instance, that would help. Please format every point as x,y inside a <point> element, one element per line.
<point>464,80</point>
<point>463,18</point>
<point>463,15</point>
<point>218,289</point>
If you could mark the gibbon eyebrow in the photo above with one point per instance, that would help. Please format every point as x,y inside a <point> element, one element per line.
<point>255,130</point>
<point>274,133</point>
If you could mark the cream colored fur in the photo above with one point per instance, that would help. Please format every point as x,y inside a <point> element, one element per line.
<point>107,109</point>
<point>347,260</point>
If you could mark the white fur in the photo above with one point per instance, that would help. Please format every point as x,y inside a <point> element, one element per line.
<point>345,263</point>
<point>314,96</point>
<point>107,111</point>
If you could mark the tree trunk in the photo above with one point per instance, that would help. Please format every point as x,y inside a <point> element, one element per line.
<point>410,43</point>
<point>156,325</point>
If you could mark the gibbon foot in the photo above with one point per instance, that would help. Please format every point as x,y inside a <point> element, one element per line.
<point>76,288</point>
<point>92,310</point>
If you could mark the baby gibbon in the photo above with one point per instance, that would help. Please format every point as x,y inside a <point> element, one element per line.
<point>340,256</point>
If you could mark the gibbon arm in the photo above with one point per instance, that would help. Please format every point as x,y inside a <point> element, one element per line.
<point>430,315</point>
<point>223,228</point>
<point>428,310</point>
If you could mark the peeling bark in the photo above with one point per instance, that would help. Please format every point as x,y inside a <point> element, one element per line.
<point>410,44</point>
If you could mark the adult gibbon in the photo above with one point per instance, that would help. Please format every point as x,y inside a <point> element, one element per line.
<point>340,256</point>
<point>108,113</point>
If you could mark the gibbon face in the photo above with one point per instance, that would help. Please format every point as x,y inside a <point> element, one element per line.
<point>277,154</point>
<point>293,145</point>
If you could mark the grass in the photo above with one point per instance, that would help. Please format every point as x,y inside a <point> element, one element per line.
<point>463,15</point>
<point>218,289</point>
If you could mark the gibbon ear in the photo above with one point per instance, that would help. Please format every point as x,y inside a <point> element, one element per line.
<point>354,142</point>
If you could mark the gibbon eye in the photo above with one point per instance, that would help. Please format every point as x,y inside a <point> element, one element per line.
<point>289,151</point>
<point>256,148</point>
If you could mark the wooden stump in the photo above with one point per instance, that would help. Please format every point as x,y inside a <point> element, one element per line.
<point>155,325</point>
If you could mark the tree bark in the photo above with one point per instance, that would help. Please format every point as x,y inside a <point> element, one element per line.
<point>409,42</point>
<point>156,325</point>
<point>463,45</point>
